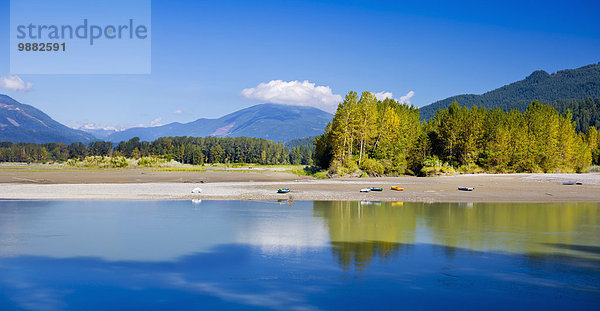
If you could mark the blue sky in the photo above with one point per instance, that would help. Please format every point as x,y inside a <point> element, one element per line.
<point>204,53</point>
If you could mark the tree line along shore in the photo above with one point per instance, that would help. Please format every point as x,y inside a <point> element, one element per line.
<point>185,150</point>
<point>375,137</point>
<point>387,138</point>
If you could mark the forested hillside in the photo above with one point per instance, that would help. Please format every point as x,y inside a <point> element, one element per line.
<point>564,85</point>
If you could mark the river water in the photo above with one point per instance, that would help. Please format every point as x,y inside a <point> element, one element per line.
<point>182,255</point>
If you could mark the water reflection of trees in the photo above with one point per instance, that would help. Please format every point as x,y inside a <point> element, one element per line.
<point>361,232</point>
<point>360,254</point>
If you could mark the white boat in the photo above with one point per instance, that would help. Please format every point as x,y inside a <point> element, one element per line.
<point>365,190</point>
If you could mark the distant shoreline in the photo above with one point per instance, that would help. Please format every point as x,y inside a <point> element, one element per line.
<point>134,184</point>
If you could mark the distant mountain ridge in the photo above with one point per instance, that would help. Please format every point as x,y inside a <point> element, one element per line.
<point>269,121</point>
<point>564,85</point>
<point>99,133</point>
<point>25,123</point>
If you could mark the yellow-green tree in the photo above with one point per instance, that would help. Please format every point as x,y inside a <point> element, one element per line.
<point>366,115</point>
<point>343,127</point>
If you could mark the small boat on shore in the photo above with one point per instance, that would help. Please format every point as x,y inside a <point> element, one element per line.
<point>376,188</point>
<point>466,188</point>
<point>397,188</point>
<point>283,190</point>
<point>569,183</point>
<point>365,190</point>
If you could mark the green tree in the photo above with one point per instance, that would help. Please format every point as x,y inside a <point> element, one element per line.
<point>366,114</point>
<point>343,127</point>
<point>217,154</point>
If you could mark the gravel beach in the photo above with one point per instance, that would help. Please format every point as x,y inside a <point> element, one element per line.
<point>135,184</point>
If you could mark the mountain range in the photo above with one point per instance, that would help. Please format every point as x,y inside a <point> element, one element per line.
<point>564,85</point>
<point>25,123</point>
<point>269,121</point>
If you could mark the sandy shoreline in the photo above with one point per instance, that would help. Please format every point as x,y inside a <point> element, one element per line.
<point>156,185</point>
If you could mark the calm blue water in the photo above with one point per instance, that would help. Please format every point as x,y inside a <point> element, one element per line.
<point>178,255</point>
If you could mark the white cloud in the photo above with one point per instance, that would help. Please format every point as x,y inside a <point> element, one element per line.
<point>95,126</point>
<point>403,99</point>
<point>155,122</point>
<point>178,111</point>
<point>118,127</point>
<point>406,98</point>
<point>274,299</point>
<point>15,83</point>
<point>293,93</point>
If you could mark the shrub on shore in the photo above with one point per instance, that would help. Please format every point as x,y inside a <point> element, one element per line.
<point>121,162</point>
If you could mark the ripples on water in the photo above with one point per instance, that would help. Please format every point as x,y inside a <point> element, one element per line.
<point>308,255</point>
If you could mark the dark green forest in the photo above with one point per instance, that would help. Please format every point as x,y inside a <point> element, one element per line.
<point>301,142</point>
<point>586,112</point>
<point>564,85</point>
<point>187,150</point>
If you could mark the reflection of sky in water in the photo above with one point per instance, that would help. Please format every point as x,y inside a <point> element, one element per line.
<point>110,230</point>
<point>153,230</point>
<point>283,229</point>
<point>130,230</point>
<point>423,276</point>
<point>103,255</point>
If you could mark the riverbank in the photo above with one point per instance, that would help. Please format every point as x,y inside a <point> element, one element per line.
<point>262,185</point>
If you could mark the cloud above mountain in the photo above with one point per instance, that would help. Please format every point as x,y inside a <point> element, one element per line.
<point>305,93</point>
<point>15,83</point>
<point>95,126</point>
<point>153,123</point>
<point>299,93</point>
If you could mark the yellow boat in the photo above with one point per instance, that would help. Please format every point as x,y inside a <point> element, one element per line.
<point>397,188</point>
